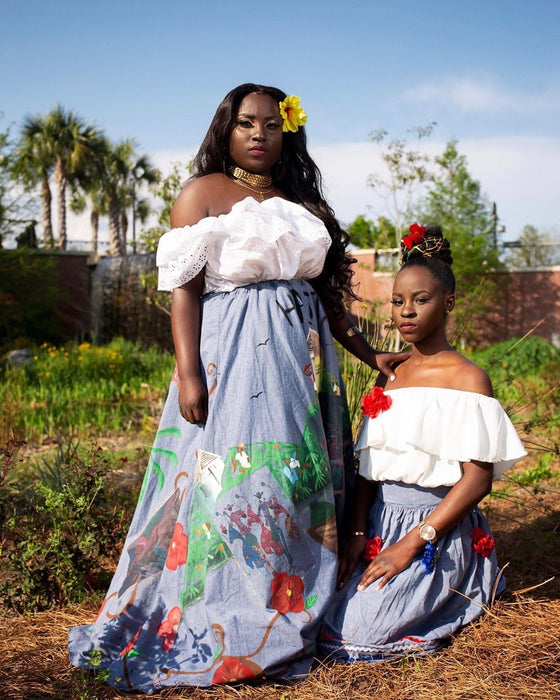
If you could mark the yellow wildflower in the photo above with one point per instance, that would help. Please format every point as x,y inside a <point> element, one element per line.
<point>292,114</point>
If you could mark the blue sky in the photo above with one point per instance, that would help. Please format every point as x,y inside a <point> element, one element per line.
<point>488,72</point>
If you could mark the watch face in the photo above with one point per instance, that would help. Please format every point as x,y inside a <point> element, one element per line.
<point>427,532</point>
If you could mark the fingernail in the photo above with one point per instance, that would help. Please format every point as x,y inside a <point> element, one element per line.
<point>360,587</point>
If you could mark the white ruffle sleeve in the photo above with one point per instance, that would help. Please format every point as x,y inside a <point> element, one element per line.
<point>428,432</point>
<point>254,242</point>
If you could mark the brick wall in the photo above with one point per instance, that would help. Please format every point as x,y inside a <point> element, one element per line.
<point>525,299</point>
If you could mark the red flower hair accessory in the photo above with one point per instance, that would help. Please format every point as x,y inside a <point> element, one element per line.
<point>375,402</point>
<point>483,543</point>
<point>372,548</point>
<point>416,236</point>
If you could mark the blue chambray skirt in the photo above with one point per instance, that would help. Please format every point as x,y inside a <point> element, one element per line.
<point>230,561</point>
<point>415,611</point>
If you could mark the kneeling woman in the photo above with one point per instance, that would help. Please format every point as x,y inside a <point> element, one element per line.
<point>429,449</point>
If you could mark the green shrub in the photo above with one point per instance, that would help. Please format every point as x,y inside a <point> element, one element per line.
<point>517,358</point>
<point>61,535</point>
<point>83,389</point>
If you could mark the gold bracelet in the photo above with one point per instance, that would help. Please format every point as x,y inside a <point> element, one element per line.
<point>353,330</point>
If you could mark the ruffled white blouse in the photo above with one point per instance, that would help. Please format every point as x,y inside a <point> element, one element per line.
<point>427,432</point>
<point>254,242</point>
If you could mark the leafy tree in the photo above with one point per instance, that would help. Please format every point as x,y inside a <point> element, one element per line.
<point>111,184</point>
<point>455,202</point>
<point>367,234</point>
<point>166,189</point>
<point>407,169</point>
<point>74,144</point>
<point>533,249</point>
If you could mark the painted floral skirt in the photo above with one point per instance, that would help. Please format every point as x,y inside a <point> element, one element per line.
<point>416,610</point>
<point>230,561</point>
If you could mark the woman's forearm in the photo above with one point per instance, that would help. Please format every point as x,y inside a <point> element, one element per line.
<point>185,327</point>
<point>467,493</point>
<point>344,330</point>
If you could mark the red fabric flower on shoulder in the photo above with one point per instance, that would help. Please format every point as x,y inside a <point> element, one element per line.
<point>416,236</point>
<point>483,543</point>
<point>375,402</point>
<point>372,548</point>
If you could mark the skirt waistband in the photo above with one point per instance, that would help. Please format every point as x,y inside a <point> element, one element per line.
<point>410,495</point>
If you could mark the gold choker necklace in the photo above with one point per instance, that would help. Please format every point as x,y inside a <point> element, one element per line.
<point>258,181</point>
<point>259,184</point>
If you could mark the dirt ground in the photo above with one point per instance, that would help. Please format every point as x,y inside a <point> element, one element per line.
<point>513,652</point>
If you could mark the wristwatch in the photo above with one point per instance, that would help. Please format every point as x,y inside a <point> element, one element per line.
<point>427,531</point>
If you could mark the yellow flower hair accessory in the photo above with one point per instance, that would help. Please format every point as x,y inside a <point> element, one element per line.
<point>292,113</point>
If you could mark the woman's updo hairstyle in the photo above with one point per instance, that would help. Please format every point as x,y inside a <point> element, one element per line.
<point>426,246</point>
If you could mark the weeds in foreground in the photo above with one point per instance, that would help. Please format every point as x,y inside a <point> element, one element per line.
<point>59,534</point>
<point>82,390</point>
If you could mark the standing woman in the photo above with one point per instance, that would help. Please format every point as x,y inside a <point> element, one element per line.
<point>231,557</point>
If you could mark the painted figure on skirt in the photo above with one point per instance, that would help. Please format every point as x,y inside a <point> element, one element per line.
<point>231,557</point>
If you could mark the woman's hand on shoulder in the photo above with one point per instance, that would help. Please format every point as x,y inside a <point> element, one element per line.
<point>385,362</point>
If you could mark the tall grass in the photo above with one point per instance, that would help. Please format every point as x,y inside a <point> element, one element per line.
<point>83,390</point>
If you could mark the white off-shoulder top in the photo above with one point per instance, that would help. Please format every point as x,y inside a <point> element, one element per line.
<point>427,432</point>
<point>254,242</point>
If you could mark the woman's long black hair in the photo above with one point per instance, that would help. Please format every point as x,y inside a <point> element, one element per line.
<point>300,181</point>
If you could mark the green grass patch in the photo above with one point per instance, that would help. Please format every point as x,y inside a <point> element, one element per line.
<point>80,389</point>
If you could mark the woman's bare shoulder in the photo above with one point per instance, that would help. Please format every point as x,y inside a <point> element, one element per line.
<point>471,377</point>
<point>196,200</point>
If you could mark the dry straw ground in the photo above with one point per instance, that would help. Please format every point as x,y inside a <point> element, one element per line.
<point>513,652</point>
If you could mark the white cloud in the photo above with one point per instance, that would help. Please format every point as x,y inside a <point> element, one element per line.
<point>519,174</point>
<point>482,94</point>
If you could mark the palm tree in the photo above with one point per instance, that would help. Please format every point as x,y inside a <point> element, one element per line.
<point>59,143</point>
<point>74,145</point>
<point>141,171</point>
<point>34,164</point>
<point>115,159</point>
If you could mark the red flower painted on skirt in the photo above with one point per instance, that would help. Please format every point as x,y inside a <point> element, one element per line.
<point>372,548</point>
<point>375,402</point>
<point>287,593</point>
<point>177,553</point>
<point>416,236</point>
<point>234,669</point>
<point>483,543</point>
<point>168,628</point>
